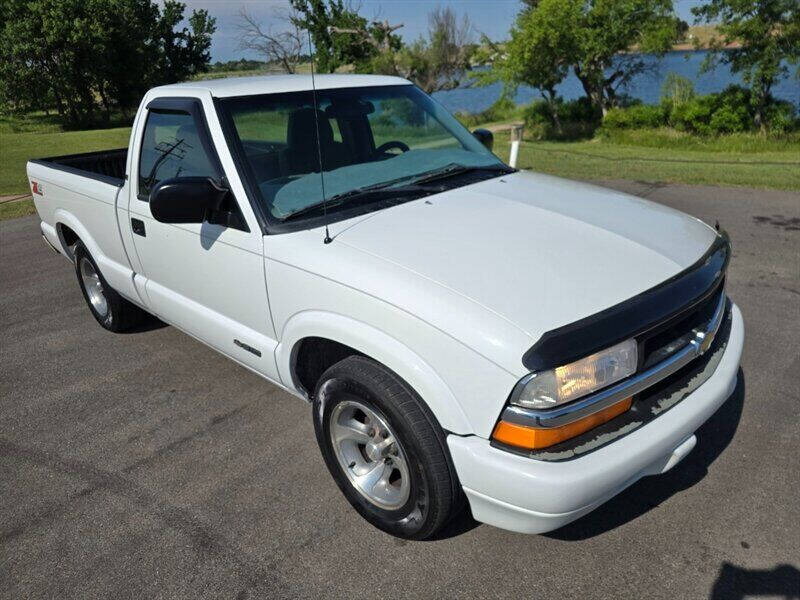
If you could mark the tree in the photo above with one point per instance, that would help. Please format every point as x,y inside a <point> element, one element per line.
<point>45,50</point>
<point>340,35</point>
<point>437,62</point>
<point>284,47</point>
<point>606,33</point>
<point>540,51</point>
<point>181,53</point>
<point>448,49</point>
<point>122,75</point>
<point>594,38</point>
<point>764,35</point>
<point>378,34</point>
<point>76,55</point>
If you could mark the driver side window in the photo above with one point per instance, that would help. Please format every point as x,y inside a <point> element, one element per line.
<point>171,147</point>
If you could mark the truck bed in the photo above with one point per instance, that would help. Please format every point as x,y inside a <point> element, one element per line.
<point>107,165</point>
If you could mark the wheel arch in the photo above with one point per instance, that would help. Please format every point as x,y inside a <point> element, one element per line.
<point>342,336</point>
<point>67,239</point>
<point>71,230</point>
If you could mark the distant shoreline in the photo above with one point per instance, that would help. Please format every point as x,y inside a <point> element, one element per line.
<point>685,48</point>
<point>689,47</point>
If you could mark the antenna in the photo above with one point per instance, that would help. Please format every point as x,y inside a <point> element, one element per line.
<point>327,239</point>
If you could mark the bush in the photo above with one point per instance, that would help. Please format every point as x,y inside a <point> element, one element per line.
<point>503,108</point>
<point>782,117</point>
<point>574,111</point>
<point>726,120</point>
<point>573,130</point>
<point>635,117</point>
<point>579,111</point>
<point>578,119</point>
<point>537,113</point>
<point>725,112</point>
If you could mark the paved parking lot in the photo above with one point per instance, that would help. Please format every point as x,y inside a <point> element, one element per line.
<point>146,465</point>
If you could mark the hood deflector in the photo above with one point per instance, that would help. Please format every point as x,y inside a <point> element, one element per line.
<point>635,316</point>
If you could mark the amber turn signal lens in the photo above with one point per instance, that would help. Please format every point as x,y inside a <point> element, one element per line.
<point>532,438</point>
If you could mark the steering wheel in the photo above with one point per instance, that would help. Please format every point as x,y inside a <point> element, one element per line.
<point>391,144</point>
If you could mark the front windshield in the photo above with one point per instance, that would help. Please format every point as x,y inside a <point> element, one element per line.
<point>369,136</point>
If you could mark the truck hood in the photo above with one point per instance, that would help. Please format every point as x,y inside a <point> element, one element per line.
<point>537,251</point>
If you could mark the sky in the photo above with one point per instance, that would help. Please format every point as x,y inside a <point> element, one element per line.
<point>492,17</point>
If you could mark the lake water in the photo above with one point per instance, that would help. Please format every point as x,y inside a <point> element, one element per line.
<point>646,86</point>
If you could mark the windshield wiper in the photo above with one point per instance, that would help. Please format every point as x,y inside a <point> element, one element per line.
<point>389,190</point>
<point>381,191</point>
<point>453,169</point>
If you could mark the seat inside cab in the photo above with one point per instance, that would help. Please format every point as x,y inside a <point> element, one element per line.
<point>285,145</point>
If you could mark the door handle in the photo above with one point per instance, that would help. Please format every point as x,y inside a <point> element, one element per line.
<point>137,225</point>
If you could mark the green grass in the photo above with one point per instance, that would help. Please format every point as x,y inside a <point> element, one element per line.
<point>775,165</point>
<point>17,148</point>
<point>37,122</point>
<point>17,208</point>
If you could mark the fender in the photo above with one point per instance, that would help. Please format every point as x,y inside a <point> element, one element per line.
<point>381,347</point>
<point>119,276</point>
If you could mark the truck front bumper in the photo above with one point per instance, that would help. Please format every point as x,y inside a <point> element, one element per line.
<point>526,495</point>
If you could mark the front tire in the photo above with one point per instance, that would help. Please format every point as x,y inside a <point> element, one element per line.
<point>385,449</point>
<point>111,310</point>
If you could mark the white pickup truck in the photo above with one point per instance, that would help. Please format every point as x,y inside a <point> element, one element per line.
<point>464,332</point>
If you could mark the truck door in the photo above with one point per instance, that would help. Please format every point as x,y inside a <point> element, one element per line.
<point>205,278</point>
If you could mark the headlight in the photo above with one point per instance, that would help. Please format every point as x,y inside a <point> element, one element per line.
<point>548,389</point>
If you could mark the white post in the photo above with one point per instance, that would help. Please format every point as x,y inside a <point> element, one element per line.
<point>512,160</point>
<point>516,138</point>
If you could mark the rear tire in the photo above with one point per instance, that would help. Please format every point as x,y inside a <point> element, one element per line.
<point>111,310</point>
<point>384,449</point>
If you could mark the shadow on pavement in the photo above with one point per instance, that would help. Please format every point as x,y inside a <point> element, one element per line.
<point>462,523</point>
<point>149,323</point>
<point>735,583</point>
<point>712,438</point>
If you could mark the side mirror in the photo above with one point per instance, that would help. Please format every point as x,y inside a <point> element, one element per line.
<point>485,137</point>
<point>186,199</point>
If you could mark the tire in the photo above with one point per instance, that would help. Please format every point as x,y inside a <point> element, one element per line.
<point>111,310</point>
<point>352,443</point>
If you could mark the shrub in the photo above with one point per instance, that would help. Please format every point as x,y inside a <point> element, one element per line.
<point>574,111</point>
<point>725,112</point>
<point>724,120</point>
<point>579,111</point>
<point>502,109</point>
<point>572,130</point>
<point>537,113</point>
<point>578,119</point>
<point>637,116</point>
<point>782,117</point>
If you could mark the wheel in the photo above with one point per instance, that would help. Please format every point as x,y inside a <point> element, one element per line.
<point>110,309</point>
<point>385,449</point>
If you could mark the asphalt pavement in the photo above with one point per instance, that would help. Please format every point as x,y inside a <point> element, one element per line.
<point>145,465</point>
